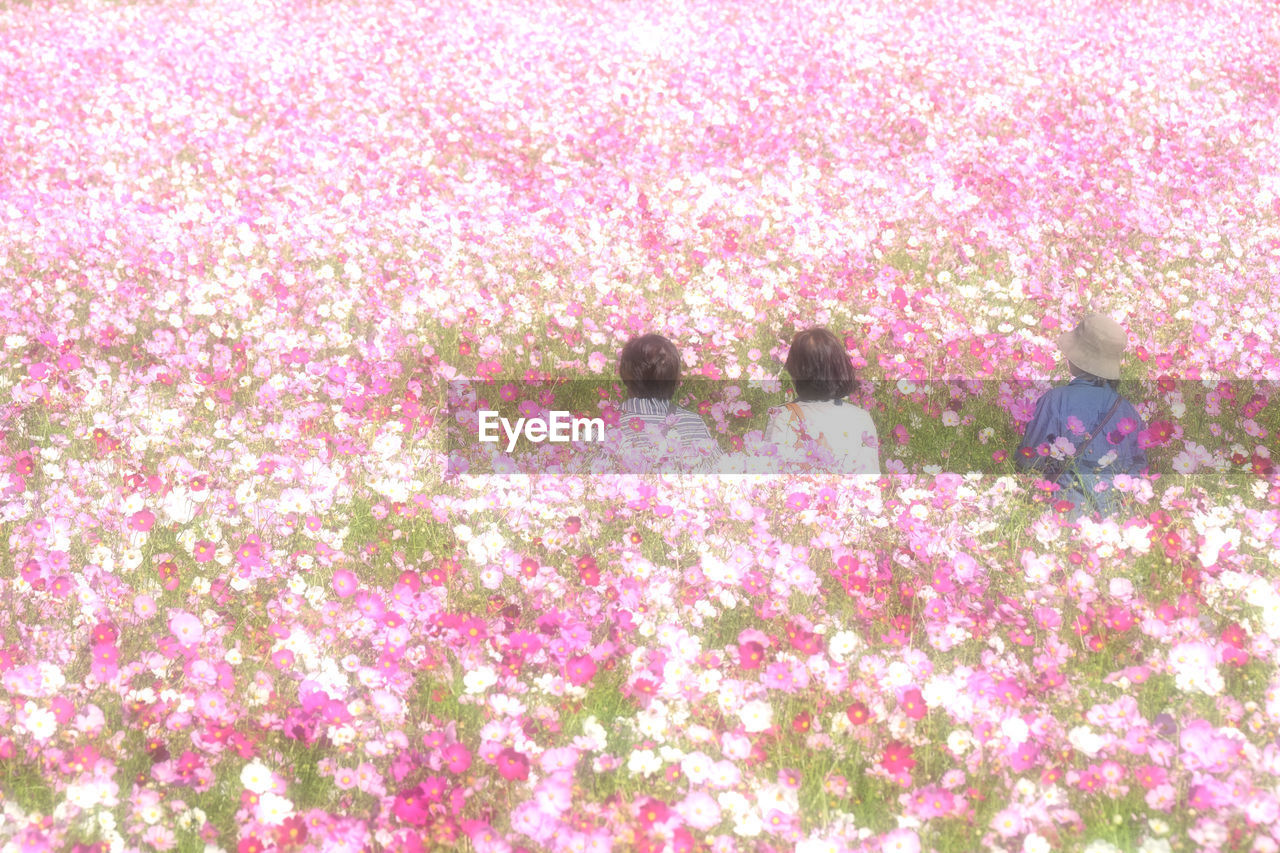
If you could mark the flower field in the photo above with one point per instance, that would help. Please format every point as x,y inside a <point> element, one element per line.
<point>247,249</point>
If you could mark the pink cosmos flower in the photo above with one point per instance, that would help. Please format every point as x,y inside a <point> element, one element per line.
<point>185,627</point>
<point>858,714</point>
<point>411,806</point>
<point>457,758</point>
<point>105,657</point>
<point>750,655</point>
<point>913,704</point>
<point>896,757</point>
<point>901,841</point>
<point>512,765</point>
<point>345,583</point>
<point>142,520</point>
<point>699,809</point>
<point>653,811</point>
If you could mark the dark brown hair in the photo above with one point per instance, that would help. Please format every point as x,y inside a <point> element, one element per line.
<point>1081,373</point>
<point>650,367</point>
<point>819,366</point>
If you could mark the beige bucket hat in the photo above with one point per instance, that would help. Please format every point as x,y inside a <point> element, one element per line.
<point>1097,345</point>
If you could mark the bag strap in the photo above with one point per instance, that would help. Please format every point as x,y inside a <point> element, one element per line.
<point>798,414</point>
<point>1092,435</point>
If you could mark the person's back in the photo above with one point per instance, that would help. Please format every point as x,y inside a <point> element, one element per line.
<point>821,430</point>
<point>654,431</point>
<point>1061,439</point>
<point>837,430</point>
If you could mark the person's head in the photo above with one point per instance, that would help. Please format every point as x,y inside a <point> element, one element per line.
<point>650,367</point>
<point>1094,347</point>
<point>1078,373</point>
<point>819,366</point>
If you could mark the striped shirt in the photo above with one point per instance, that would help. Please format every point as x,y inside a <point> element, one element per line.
<point>650,425</point>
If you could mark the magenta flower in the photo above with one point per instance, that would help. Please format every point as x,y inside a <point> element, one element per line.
<point>579,669</point>
<point>345,583</point>
<point>104,665</point>
<point>457,758</point>
<point>653,811</point>
<point>512,765</point>
<point>411,806</point>
<point>142,520</point>
<point>913,704</point>
<point>896,757</point>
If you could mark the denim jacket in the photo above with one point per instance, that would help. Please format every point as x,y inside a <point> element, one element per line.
<point>1114,451</point>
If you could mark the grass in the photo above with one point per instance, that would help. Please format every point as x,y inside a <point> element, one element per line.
<point>26,785</point>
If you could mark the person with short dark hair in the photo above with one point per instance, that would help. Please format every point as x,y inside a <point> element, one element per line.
<point>822,428</point>
<point>650,369</point>
<point>1084,433</point>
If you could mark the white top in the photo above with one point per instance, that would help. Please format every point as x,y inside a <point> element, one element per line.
<point>842,436</point>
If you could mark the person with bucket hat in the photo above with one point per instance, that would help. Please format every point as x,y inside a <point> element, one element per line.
<point>1084,433</point>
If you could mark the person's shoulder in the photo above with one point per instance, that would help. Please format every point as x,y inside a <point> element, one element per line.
<point>1063,397</point>
<point>1060,392</point>
<point>685,414</point>
<point>1129,410</point>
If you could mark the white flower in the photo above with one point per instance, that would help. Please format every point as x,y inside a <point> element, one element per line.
<point>1015,730</point>
<point>592,729</point>
<point>1084,739</point>
<point>479,680</point>
<point>387,445</point>
<point>898,674</point>
<point>959,741</point>
<point>644,762</point>
<point>256,777</point>
<point>756,716</point>
<point>1194,668</point>
<point>734,803</point>
<point>273,809</point>
<point>296,500</point>
<point>1034,843</point>
<point>842,644</point>
<point>696,766</point>
<point>1101,846</point>
<point>748,825</point>
<point>652,721</point>
<point>1215,539</point>
<point>51,678</point>
<point>82,796</point>
<point>40,723</point>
